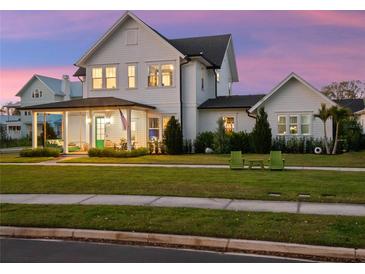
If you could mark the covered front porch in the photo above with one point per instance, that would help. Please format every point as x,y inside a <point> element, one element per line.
<point>97,123</point>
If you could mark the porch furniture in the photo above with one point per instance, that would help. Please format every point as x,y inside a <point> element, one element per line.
<point>256,162</point>
<point>276,161</point>
<point>236,161</point>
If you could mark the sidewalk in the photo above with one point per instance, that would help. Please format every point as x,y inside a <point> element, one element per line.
<point>58,162</point>
<point>207,203</point>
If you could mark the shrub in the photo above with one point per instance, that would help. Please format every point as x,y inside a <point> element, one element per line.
<point>203,140</point>
<point>261,133</point>
<point>187,146</point>
<point>110,152</point>
<point>240,141</point>
<point>40,152</point>
<point>350,133</point>
<point>173,137</point>
<point>221,139</point>
<point>297,145</point>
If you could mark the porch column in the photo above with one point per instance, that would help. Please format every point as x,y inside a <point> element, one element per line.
<point>129,132</point>
<point>34,129</point>
<point>91,135</point>
<point>65,132</point>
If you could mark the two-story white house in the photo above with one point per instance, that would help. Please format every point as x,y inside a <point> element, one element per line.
<point>134,79</point>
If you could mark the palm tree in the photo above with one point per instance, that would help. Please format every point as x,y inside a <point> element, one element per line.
<point>339,114</point>
<point>324,114</point>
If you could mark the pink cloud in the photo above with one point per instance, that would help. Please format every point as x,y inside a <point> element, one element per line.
<point>12,80</point>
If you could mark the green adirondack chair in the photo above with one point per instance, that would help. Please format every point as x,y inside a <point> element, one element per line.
<point>276,161</point>
<point>236,161</point>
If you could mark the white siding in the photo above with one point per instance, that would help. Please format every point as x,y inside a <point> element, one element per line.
<point>149,50</point>
<point>224,77</point>
<point>296,98</point>
<point>208,119</point>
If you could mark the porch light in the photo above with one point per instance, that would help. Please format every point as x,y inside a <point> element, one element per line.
<point>88,120</point>
<point>107,120</point>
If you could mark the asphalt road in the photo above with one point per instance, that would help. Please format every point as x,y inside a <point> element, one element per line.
<point>48,251</point>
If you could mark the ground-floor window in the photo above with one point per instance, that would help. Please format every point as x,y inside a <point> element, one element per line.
<point>228,124</point>
<point>153,128</point>
<point>294,124</point>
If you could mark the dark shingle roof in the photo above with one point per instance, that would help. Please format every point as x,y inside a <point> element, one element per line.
<point>353,104</point>
<point>234,101</point>
<point>80,72</point>
<point>90,102</point>
<point>212,48</point>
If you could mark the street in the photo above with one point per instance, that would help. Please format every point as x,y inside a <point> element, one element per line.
<point>51,251</point>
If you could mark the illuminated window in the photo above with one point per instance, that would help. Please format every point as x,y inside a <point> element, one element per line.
<point>153,128</point>
<point>111,77</point>
<point>218,76</point>
<point>165,120</point>
<point>229,124</point>
<point>293,125</point>
<point>305,121</point>
<point>166,73</point>
<point>153,76</point>
<point>281,124</point>
<point>97,78</point>
<point>132,76</point>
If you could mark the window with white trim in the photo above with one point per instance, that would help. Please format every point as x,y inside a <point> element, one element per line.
<point>153,128</point>
<point>281,124</point>
<point>305,121</point>
<point>153,75</point>
<point>37,93</point>
<point>228,124</point>
<point>132,83</point>
<point>293,124</point>
<point>111,77</point>
<point>97,78</point>
<point>167,75</point>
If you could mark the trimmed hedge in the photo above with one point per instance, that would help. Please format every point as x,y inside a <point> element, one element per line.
<point>40,152</point>
<point>110,152</point>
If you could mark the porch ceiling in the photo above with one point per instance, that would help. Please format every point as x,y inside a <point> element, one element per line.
<point>88,103</point>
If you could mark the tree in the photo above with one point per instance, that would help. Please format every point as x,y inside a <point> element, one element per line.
<point>261,133</point>
<point>324,114</point>
<point>338,114</point>
<point>344,90</point>
<point>221,139</point>
<point>173,137</point>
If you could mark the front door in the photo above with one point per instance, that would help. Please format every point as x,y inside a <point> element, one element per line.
<point>100,131</point>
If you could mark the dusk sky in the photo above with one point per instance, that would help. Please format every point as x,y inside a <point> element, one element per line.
<point>320,46</point>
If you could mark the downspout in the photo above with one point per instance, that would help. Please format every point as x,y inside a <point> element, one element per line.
<point>181,100</point>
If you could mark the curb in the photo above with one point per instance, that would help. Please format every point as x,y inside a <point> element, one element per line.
<point>223,244</point>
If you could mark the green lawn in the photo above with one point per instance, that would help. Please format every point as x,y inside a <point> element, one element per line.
<point>305,229</point>
<point>323,186</point>
<point>15,158</point>
<point>351,159</point>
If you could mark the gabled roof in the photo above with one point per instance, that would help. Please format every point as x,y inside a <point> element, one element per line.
<point>234,101</point>
<point>213,48</point>
<point>283,82</point>
<point>111,30</point>
<point>354,105</point>
<point>89,103</point>
<point>54,85</point>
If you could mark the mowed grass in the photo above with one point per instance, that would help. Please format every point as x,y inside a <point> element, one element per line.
<point>15,158</point>
<point>351,159</point>
<point>294,228</point>
<point>323,186</point>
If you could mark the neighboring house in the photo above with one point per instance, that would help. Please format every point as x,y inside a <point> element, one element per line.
<point>11,125</point>
<point>134,79</point>
<point>357,107</point>
<point>42,89</point>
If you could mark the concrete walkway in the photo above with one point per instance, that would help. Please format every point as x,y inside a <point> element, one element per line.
<point>56,162</point>
<point>207,203</point>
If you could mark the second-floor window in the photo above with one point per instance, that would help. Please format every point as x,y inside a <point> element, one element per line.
<point>132,76</point>
<point>97,78</point>
<point>37,93</point>
<point>160,75</point>
<point>153,75</point>
<point>111,77</point>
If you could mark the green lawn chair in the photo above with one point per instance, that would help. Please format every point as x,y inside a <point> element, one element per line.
<point>276,161</point>
<point>236,161</point>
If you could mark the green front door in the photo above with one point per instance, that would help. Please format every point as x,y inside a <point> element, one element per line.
<point>100,131</point>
